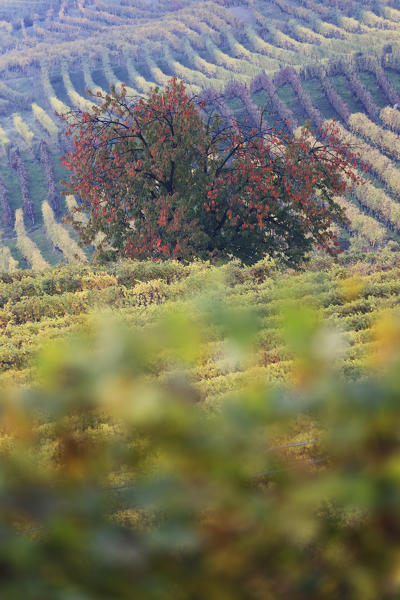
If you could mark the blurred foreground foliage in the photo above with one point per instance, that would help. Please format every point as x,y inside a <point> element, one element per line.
<point>118,482</point>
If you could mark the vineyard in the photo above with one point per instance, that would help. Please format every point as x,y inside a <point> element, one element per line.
<point>290,60</point>
<point>192,424</point>
<point>350,296</point>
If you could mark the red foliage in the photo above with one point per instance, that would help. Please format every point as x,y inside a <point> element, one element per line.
<point>167,177</point>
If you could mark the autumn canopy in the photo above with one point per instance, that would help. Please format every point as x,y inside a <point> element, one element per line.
<point>168,177</point>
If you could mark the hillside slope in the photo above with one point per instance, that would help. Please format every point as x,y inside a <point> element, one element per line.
<point>298,59</point>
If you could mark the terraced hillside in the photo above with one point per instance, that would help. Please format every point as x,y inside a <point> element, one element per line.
<point>300,59</point>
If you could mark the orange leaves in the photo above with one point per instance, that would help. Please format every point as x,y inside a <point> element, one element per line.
<point>192,191</point>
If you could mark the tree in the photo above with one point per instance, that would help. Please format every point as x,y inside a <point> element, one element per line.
<point>166,176</point>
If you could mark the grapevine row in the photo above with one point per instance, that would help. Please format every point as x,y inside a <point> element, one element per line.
<point>360,91</point>
<point>53,197</point>
<point>262,82</point>
<point>76,99</point>
<point>386,140</point>
<point>391,118</point>
<point>363,226</point>
<point>238,90</point>
<point>18,164</point>
<point>27,247</point>
<point>45,121</point>
<point>289,75</point>
<point>381,166</point>
<point>23,129</point>
<point>8,217</point>
<point>60,237</point>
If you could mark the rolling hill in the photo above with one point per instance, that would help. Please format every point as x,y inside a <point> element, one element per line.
<point>300,60</point>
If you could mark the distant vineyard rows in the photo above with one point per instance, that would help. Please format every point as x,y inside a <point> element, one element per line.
<point>285,56</point>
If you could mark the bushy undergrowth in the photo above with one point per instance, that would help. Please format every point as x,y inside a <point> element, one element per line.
<point>38,307</point>
<point>119,480</point>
